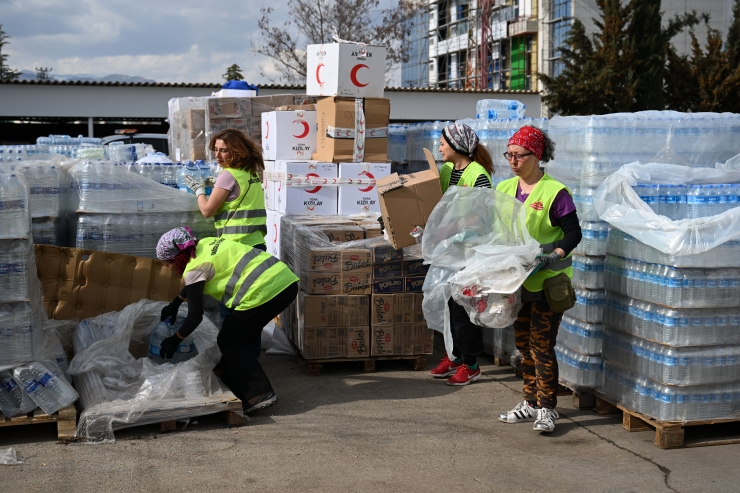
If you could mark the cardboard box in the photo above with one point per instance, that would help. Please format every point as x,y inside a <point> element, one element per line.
<point>388,270</point>
<point>335,342</point>
<point>196,122</point>
<point>272,240</point>
<point>288,135</point>
<point>344,69</point>
<point>268,186</point>
<point>292,200</point>
<point>392,309</point>
<point>401,340</point>
<point>407,201</point>
<point>413,284</point>
<point>85,283</point>
<point>385,253</point>
<point>339,113</point>
<point>356,199</point>
<point>356,259</point>
<point>414,267</point>
<point>354,282</point>
<point>372,230</point>
<point>343,234</point>
<point>392,285</point>
<point>229,107</point>
<point>334,311</point>
<point>357,282</point>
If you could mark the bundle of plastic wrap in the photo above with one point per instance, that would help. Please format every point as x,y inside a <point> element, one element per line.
<point>120,386</point>
<point>480,253</point>
<point>673,293</point>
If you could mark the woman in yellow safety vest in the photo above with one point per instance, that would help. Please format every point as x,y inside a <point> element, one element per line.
<point>467,164</point>
<point>253,284</point>
<point>237,201</point>
<point>552,220</point>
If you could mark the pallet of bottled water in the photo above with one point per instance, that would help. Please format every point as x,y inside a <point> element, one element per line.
<point>668,402</point>
<point>49,231</point>
<point>672,286</point>
<point>588,272</point>
<point>581,336</point>
<point>594,237</point>
<point>672,365</point>
<point>135,234</point>
<point>45,188</point>
<point>397,143</point>
<point>673,326</point>
<point>621,244</point>
<point>499,109</point>
<point>45,385</point>
<point>578,369</point>
<point>584,202</point>
<point>14,275</point>
<point>20,331</point>
<point>14,213</point>
<point>690,201</point>
<point>500,341</point>
<point>589,305</point>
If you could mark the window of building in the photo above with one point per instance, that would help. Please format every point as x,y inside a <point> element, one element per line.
<point>560,24</point>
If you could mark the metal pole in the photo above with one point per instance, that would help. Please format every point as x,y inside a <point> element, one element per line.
<point>90,126</point>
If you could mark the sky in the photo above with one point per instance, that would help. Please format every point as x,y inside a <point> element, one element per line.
<point>164,40</point>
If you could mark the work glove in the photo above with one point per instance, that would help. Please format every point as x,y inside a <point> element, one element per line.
<point>168,348</point>
<point>548,260</point>
<point>198,187</point>
<point>170,311</point>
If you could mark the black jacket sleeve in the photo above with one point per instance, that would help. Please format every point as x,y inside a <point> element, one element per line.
<point>194,294</point>
<point>572,230</point>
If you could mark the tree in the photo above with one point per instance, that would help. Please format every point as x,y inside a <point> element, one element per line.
<point>6,73</point>
<point>621,68</point>
<point>313,22</point>
<point>233,73</point>
<point>707,80</point>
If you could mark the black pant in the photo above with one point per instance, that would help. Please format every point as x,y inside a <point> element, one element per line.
<point>467,338</point>
<point>239,334</point>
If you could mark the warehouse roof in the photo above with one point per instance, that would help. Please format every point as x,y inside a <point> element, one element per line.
<point>201,85</point>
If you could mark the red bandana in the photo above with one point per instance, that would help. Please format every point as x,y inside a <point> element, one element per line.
<point>531,139</point>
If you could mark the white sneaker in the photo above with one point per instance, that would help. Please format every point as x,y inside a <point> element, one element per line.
<point>545,420</point>
<point>522,412</point>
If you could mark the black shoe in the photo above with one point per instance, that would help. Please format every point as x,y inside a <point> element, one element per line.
<point>260,402</point>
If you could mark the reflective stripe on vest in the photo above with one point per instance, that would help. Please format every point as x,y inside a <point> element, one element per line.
<point>253,276</point>
<point>241,230</point>
<point>240,214</point>
<point>236,275</point>
<point>538,225</point>
<point>246,211</point>
<point>468,177</point>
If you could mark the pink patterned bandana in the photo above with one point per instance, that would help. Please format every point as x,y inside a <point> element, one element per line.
<point>174,241</point>
<point>531,139</point>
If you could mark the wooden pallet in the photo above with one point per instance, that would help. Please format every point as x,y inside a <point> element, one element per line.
<point>672,434</point>
<point>66,420</point>
<point>313,367</point>
<point>582,397</point>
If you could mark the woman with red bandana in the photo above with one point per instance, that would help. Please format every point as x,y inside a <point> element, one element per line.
<point>552,220</point>
<point>467,164</point>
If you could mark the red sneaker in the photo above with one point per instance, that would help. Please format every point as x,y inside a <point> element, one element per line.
<point>445,368</point>
<point>464,375</point>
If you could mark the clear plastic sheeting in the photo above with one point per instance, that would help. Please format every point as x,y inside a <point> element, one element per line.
<point>620,205</point>
<point>106,187</point>
<point>120,387</point>
<point>478,245</point>
<point>8,457</point>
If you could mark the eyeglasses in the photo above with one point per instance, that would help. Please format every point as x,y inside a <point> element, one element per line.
<point>518,157</point>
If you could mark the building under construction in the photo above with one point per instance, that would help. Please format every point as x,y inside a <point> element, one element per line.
<point>503,44</point>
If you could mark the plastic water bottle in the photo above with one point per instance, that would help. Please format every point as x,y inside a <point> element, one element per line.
<point>49,391</point>
<point>169,174</point>
<point>14,216</point>
<point>13,400</point>
<point>206,175</point>
<point>158,173</point>
<point>163,330</point>
<point>189,169</point>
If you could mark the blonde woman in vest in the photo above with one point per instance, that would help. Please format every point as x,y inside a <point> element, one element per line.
<point>467,164</point>
<point>552,220</point>
<point>237,202</point>
<point>253,284</point>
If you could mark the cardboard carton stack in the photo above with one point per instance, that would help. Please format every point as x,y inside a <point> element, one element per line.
<point>335,314</point>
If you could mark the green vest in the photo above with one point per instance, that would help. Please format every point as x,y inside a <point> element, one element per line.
<point>468,178</point>
<point>243,219</point>
<point>538,225</point>
<point>245,277</point>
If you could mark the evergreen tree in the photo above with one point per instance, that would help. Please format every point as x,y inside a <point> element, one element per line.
<point>6,73</point>
<point>707,80</point>
<point>733,34</point>
<point>233,73</point>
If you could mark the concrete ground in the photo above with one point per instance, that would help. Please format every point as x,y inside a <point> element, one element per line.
<point>394,430</point>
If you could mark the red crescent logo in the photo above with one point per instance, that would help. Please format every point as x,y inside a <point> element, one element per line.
<point>313,190</point>
<point>369,175</point>
<point>276,233</point>
<point>318,79</point>
<point>353,74</point>
<point>305,129</point>
<point>267,132</point>
<point>280,186</point>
